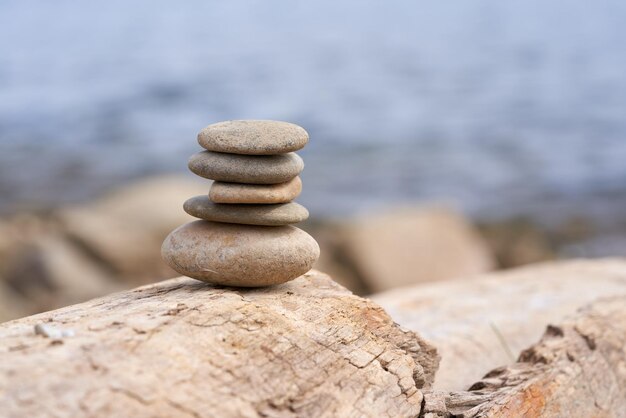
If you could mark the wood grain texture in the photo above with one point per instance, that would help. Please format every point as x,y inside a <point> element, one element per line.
<point>481,323</point>
<point>307,348</point>
<point>577,369</point>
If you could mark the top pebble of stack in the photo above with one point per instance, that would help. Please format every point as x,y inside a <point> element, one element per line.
<point>253,137</point>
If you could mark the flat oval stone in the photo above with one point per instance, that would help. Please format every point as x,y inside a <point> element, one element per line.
<point>221,192</point>
<point>253,137</point>
<point>269,215</point>
<point>239,255</point>
<point>255,169</point>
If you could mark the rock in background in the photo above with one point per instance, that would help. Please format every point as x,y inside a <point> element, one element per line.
<point>125,230</point>
<point>68,255</point>
<point>402,247</point>
<point>74,254</point>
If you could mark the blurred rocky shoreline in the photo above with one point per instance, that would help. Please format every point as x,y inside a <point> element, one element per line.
<point>53,258</point>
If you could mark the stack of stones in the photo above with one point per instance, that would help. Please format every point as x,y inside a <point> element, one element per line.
<point>244,237</point>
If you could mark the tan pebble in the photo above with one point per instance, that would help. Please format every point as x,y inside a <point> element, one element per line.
<point>253,137</point>
<point>239,255</point>
<point>255,169</point>
<point>255,193</point>
<point>280,214</point>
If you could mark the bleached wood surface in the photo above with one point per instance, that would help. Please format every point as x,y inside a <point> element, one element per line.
<point>307,348</point>
<point>481,323</point>
<point>578,369</point>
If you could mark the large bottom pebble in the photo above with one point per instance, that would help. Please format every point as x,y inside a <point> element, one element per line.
<point>240,255</point>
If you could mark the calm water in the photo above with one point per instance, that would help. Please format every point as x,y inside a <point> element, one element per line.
<point>498,108</point>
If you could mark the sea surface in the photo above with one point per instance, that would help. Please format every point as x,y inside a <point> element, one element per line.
<point>498,108</point>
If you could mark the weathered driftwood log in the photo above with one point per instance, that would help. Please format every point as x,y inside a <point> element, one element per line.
<point>482,323</point>
<point>185,348</point>
<point>578,369</point>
